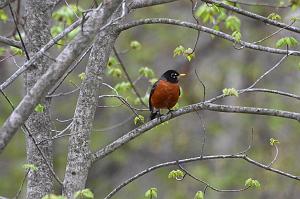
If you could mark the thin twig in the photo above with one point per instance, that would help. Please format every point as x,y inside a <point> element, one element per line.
<point>210,186</point>
<point>275,157</point>
<point>260,4</point>
<point>249,146</point>
<point>22,184</point>
<point>268,71</point>
<point>194,6</point>
<point>16,24</point>
<point>128,77</point>
<point>26,130</point>
<point>115,126</point>
<point>204,88</point>
<point>70,70</point>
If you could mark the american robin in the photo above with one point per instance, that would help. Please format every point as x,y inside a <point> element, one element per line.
<point>164,93</point>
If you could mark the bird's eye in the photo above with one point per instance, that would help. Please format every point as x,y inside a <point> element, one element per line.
<point>173,75</point>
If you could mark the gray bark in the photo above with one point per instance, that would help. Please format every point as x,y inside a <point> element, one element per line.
<point>79,154</point>
<point>37,30</point>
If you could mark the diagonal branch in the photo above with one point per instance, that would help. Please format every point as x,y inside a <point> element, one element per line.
<point>39,54</point>
<point>207,30</point>
<point>146,3</point>
<point>188,109</point>
<point>253,15</point>
<point>128,77</point>
<point>97,19</point>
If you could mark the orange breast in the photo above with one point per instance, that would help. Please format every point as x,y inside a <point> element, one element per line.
<point>165,95</point>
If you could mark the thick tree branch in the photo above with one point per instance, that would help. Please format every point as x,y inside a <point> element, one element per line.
<point>253,15</point>
<point>37,30</point>
<point>207,30</point>
<point>10,42</point>
<point>188,109</point>
<point>78,163</point>
<point>200,158</point>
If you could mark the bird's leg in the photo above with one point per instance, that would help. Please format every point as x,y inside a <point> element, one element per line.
<point>159,115</point>
<point>170,111</point>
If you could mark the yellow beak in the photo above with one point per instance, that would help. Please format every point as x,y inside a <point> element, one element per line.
<point>182,75</point>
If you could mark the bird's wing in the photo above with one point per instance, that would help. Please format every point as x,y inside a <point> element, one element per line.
<point>151,93</point>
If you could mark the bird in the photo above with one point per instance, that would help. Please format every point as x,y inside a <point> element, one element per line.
<point>164,93</point>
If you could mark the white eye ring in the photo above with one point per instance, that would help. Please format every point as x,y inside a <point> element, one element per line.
<point>173,75</point>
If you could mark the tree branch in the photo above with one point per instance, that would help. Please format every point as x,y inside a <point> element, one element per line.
<point>200,158</point>
<point>97,19</point>
<point>39,54</point>
<point>253,15</point>
<point>10,42</point>
<point>146,3</point>
<point>188,109</point>
<point>207,30</point>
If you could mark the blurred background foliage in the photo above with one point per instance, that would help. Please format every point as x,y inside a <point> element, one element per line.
<point>147,51</point>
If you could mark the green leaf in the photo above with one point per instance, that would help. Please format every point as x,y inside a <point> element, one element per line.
<point>237,36</point>
<point>55,30</point>
<point>32,167</point>
<point>153,80</point>
<point>199,195</point>
<point>248,182</point>
<point>82,76</point>
<point>274,141</point>
<point>84,194</point>
<point>151,193</point>
<point>233,23</point>
<point>189,54</point>
<point>123,86</point>
<point>135,45</point>
<point>53,196</point>
<point>178,51</point>
<point>295,4</point>
<point>16,51</point>
<point>112,62</point>
<point>146,72</point>
<point>256,184</point>
<point>3,16</point>
<point>115,72</point>
<point>286,41</point>
<point>138,119</point>
<point>252,183</point>
<point>67,14</point>
<point>39,108</point>
<point>2,51</point>
<point>274,16</point>
<point>230,92</point>
<point>207,13</point>
<point>176,174</point>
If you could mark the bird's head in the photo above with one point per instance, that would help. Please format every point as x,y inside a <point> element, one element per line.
<point>172,76</point>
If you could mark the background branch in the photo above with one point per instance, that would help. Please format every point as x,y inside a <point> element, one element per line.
<point>207,30</point>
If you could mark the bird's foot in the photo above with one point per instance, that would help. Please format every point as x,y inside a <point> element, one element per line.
<point>170,112</point>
